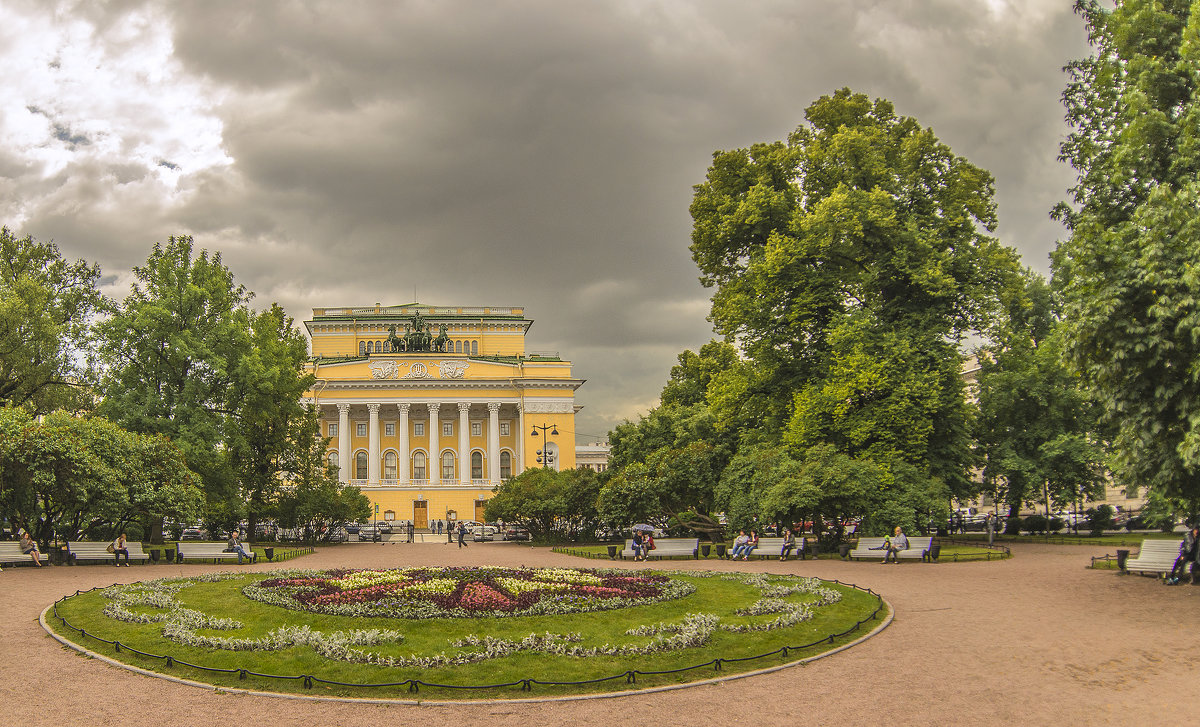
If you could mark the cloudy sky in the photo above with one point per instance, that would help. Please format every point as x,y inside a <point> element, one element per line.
<point>537,153</point>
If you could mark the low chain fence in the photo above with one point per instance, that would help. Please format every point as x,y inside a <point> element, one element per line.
<point>414,686</point>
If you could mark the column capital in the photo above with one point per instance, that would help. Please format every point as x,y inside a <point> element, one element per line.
<point>373,408</point>
<point>343,408</point>
<point>403,408</point>
<point>493,406</point>
<point>434,407</point>
<point>464,406</point>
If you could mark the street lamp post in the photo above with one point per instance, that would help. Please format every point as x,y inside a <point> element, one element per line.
<point>544,457</point>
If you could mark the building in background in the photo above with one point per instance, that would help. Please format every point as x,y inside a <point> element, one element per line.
<point>429,408</point>
<point>592,456</point>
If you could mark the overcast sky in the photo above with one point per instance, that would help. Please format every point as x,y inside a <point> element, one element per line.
<point>538,153</point>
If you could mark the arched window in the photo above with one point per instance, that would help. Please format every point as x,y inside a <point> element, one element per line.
<point>389,466</point>
<point>333,460</point>
<point>370,347</point>
<point>458,346</point>
<point>362,348</point>
<point>360,466</point>
<point>448,466</point>
<point>379,347</point>
<point>418,465</point>
<point>505,465</point>
<point>477,465</point>
<point>474,348</point>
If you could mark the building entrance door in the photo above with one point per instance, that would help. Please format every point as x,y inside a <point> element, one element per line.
<point>479,510</point>
<point>420,514</point>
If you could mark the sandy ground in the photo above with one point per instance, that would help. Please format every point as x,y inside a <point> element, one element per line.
<point>1035,639</point>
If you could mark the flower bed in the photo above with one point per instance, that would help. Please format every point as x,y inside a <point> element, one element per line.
<point>464,592</point>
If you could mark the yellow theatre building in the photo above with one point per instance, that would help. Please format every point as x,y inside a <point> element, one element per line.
<point>429,408</point>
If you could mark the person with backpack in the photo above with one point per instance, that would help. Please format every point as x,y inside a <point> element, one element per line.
<point>1187,554</point>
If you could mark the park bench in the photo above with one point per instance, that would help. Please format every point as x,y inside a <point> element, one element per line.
<point>770,547</point>
<point>667,548</point>
<point>10,552</point>
<point>918,549</point>
<point>79,550</point>
<point>1155,556</point>
<point>195,550</point>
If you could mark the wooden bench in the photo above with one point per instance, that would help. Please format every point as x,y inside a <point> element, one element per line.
<point>667,548</point>
<point>1155,556</point>
<point>770,547</point>
<point>196,550</point>
<point>918,549</point>
<point>10,552</point>
<point>79,550</point>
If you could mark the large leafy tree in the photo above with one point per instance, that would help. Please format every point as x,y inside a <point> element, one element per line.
<point>169,354</point>
<point>849,262</point>
<point>267,423</point>
<point>47,306</point>
<point>1129,271</point>
<point>549,503</point>
<point>311,497</point>
<point>1036,431</point>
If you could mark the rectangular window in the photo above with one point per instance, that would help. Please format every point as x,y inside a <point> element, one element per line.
<point>362,429</point>
<point>333,430</point>
<point>504,429</point>
<point>389,429</point>
<point>419,429</point>
<point>447,429</point>
<point>476,429</point>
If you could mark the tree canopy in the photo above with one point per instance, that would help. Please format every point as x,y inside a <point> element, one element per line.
<point>1130,268</point>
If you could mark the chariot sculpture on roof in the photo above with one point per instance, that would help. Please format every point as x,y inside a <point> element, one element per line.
<point>418,337</point>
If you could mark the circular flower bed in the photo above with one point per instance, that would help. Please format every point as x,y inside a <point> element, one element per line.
<point>416,593</point>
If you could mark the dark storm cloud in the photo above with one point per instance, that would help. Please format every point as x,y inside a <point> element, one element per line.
<point>542,153</point>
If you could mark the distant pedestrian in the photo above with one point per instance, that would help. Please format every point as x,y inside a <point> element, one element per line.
<point>462,534</point>
<point>439,524</point>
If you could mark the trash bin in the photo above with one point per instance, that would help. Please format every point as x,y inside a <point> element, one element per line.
<point>934,551</point>
<point>269,552</point>
<point>612,552</point>
<point>154,555</point>
<point>844,549</point>
<point>720,550</point>
<point>168,555</point>
<point>1122,556</point>
<point>705,549</point>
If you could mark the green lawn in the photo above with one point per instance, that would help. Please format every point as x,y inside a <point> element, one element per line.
<point>951,552</point>
<point>719,595</point>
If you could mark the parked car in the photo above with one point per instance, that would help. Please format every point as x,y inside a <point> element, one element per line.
<point>338,535</point>
<point>516,532</point>
<point>352,528</point>
<point>368,533</point>
<point>384,526</point>
<point>192,534</point>
<point>484,532</point>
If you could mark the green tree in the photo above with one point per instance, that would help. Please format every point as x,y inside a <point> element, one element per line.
<point>312,499</point>
<point>1037,427</point>
<point>549,503</point>
<point>1128,270</point>
<point>266,420</point>
<point>169,350</point>
<point>860,212</point>
<point>47,306</point>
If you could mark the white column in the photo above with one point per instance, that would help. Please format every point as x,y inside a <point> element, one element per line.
<point>464,444</point>
<point>373,445</point>
<point>519,465</point>
<point>493,442</point>
<point>344,443</point>
<point>402,474</point>
<point>435,456</point>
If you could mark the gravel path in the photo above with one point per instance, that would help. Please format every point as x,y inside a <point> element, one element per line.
<point>1036,638</point>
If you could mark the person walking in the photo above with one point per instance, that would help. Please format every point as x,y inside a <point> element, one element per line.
<point>898,542</point>
<point>120,547</point>
<point>462,534</point>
